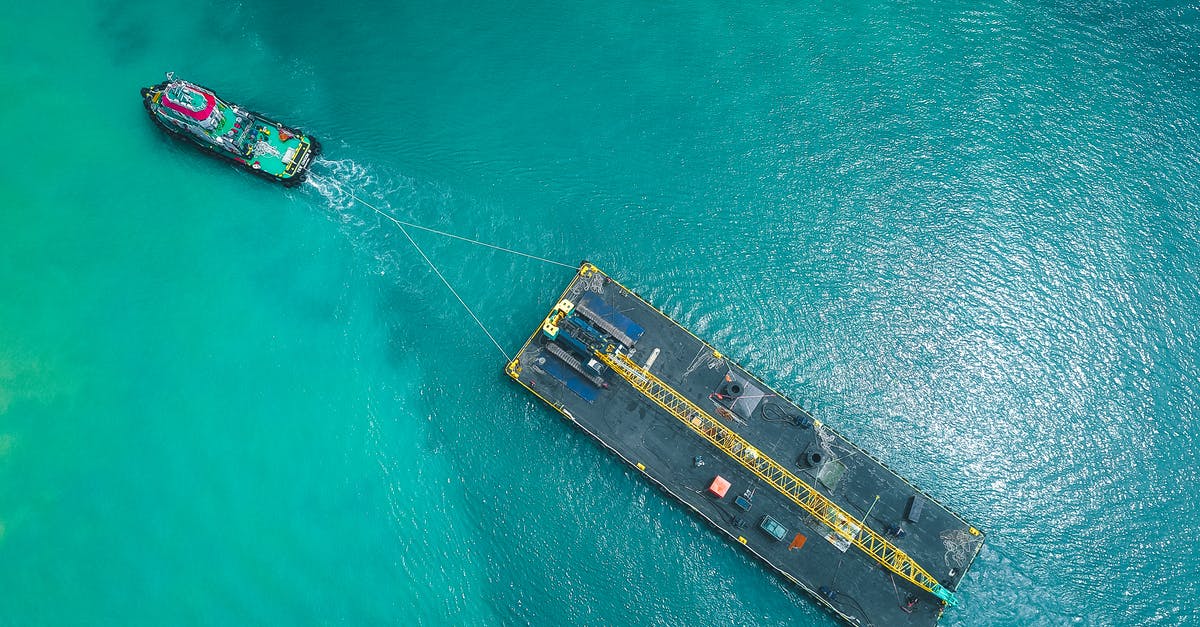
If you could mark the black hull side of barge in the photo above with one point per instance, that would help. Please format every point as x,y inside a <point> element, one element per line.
<point>663,449</point>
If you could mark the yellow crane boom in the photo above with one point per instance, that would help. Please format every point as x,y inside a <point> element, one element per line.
<point>813,502</point>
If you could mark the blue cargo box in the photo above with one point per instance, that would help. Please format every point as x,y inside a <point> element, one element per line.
<point>596,304</point>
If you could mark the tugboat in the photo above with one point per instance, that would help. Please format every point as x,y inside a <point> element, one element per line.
<point>261,145</point>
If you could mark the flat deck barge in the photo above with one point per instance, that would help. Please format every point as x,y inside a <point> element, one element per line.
<point>827,516</point>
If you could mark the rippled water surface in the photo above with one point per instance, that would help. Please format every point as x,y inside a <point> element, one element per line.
<point>965,232</point>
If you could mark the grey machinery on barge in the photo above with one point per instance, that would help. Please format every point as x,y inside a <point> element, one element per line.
<point>864,543</point>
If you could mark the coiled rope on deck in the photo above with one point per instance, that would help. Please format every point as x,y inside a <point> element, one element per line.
<point>401,224</point>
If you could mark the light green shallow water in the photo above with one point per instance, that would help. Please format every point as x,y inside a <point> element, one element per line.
<point>965,233</point>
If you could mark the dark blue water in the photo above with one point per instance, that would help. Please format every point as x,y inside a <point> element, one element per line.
<point>965,233</point>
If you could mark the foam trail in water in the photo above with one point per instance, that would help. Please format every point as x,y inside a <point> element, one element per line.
<point>339,182</point>
<point>337,179</point>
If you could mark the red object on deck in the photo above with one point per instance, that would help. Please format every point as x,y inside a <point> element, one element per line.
<point>210,101</point>
<point>719,486</point>
<point>797,542</point>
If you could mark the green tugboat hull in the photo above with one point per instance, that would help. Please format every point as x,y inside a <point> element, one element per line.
<point>263,146</point>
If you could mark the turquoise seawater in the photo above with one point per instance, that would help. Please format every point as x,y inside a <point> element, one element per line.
<point>965,232</point>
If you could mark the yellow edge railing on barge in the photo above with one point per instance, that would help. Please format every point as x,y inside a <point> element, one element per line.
<point>813,502</point>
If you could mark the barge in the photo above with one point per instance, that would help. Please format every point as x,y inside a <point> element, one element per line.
<point>251,140</point>
<point>864,543</point>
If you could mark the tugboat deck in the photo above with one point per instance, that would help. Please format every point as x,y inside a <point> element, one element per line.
<point>673,452</point>
<point>267,148</point>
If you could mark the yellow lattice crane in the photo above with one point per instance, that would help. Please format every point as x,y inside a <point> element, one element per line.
<point>813,502</point>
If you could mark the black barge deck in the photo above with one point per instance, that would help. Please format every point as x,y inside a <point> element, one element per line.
<point>860,540</point>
